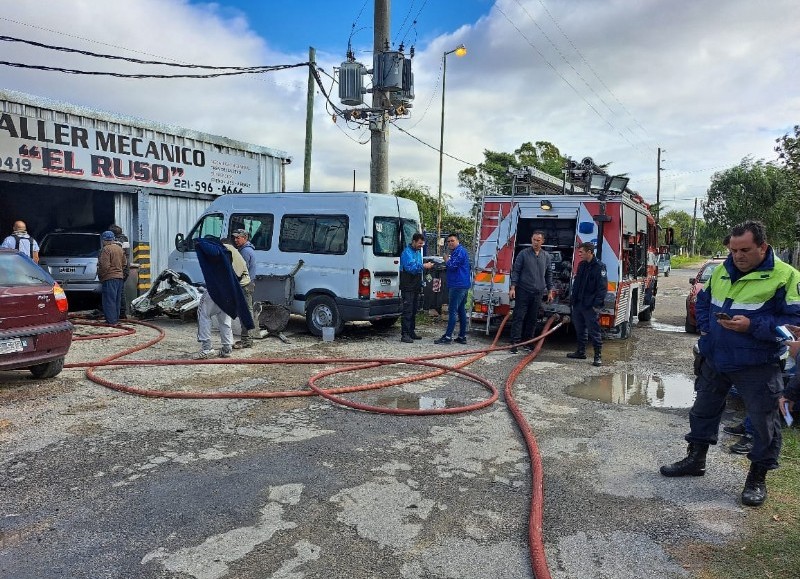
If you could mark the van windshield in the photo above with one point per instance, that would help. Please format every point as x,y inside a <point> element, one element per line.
<point>208,226</point>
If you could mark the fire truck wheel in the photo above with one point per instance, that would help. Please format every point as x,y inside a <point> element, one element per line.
<point>625,330</point>
<point>647,314</point>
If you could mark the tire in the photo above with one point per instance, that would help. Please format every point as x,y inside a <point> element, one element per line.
<point>321,311</point>
<point>689,327</point>
<point>647,314</point>
<point>625,330</point>
<point>383,323</point>
<point>666,273</point>
<point>48,369</point>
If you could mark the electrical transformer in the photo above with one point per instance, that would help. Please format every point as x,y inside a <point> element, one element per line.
<point>351,83</point>
<point>388,71</point>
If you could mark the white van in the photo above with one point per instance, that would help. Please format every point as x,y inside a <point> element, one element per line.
<point>349,245</point>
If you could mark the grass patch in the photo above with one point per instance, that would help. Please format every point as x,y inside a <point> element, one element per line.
<point>770,547</point>
<point>686,261</point>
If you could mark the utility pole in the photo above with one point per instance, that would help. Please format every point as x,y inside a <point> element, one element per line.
<point>694,225</point>
<point>658,185</point>
<point>312,59</point>
<point>379,134</point>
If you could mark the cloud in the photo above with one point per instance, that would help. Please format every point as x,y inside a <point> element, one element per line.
<point>709,82</point>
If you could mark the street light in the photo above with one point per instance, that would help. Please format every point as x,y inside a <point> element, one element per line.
<point>460,50</point>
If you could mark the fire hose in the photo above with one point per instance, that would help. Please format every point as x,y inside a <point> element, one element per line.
<point>538,559</point>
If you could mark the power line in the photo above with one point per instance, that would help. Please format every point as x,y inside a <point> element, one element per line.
<point>259,70</point>
<point>431,146</point>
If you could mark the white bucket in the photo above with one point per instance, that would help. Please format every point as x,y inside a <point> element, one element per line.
<point>328,334</point>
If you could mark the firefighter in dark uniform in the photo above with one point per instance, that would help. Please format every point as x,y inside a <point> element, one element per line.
<point>588,294</point>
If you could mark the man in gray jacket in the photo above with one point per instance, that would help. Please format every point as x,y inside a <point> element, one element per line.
<point>531,278</point>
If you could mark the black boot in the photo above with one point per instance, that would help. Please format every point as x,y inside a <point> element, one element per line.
<point>598,361</point>
<point>579,354</point>
<point>693,465</point>
<point>755,487</point>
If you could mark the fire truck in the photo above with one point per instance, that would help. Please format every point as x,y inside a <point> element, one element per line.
<point>602,211</point>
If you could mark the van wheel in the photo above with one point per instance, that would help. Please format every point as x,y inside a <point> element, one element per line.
<point>383,323</point>
<point>321,312</point>
<point>48,369</point>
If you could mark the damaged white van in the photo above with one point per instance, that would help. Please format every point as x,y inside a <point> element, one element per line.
<point>341,251</point>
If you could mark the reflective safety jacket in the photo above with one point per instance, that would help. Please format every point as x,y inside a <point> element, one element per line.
<point>769,296</point>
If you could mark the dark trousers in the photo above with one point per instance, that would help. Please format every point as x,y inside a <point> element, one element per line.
<point>760,388</point>
<point>526,311</point>
<point>111,294</point>
<point>408,322</point>
<point>586,321</point>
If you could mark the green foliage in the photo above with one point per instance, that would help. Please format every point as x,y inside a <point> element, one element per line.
<point>491,176</point>
<point>429,208</point>
<point>788,150</point>
<point>753,190</point>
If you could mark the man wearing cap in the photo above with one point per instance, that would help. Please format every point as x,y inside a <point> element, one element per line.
<point>110,267</point>
<point>22,242</point>
<point>241,239</point>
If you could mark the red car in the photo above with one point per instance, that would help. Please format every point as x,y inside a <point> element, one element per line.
<point>698,281</point>
<point>34,330</point>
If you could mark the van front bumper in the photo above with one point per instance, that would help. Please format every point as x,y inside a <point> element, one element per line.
<point>365,310</point>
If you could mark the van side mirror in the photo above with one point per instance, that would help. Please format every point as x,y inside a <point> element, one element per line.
<point>180,242</point>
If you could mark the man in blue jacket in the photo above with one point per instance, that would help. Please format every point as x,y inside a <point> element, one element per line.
<point>458,283</point>
<point>747,297</point>
<point>411,268</point>
<point>588,294</point>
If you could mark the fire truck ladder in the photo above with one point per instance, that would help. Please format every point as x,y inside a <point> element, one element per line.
<point>494,218</point>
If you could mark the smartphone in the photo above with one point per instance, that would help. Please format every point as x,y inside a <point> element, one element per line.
<point>722,316</point>
<point>784,333</point>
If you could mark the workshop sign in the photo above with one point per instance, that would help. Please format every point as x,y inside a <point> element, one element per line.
<point>40,147</point>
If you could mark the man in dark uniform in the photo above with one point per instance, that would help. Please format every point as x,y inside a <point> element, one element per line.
<point>531,278</point>
<point>588,294</point>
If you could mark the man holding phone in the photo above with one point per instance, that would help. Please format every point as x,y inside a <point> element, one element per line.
<point>750,294</point>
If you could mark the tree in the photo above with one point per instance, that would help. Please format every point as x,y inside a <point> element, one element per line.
<point>753,190</point>
<point>788,150</point>
<point>429,208</point>
<point>681,223</point>
<point>491,176</point>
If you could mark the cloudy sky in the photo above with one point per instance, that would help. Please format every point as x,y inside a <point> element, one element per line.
<point>709,82</point>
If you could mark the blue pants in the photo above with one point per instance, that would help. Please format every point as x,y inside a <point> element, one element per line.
<point>111,294</point>
<point>457,306</point>
<point>586,322</point>
<point>526,311</point>
<point>760,388</point>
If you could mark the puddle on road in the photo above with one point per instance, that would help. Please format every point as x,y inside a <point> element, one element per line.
<point>660,391</point>
<point>667,328</point>
<point>416,402</point>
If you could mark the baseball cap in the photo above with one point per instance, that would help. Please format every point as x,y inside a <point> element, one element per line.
<point>108,236</point>
<point>239,233</point>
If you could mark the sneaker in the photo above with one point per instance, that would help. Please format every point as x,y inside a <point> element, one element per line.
<point>528,347</point>
<point>225,353</point>
<point>444,340</point>
<point>205,354</point>
<point>461,339</point>
<point>744,445</point>
<point>407,340</point>
<point>736,429</point>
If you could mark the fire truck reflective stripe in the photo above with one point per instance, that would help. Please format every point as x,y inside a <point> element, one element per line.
<point>486,277</point>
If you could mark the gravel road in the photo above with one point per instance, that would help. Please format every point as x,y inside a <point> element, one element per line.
<point>97,483</point>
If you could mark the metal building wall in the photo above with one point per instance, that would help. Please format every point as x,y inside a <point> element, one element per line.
<point>169,216</point>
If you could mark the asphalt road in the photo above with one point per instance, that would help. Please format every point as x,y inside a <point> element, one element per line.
<point>99,484</point>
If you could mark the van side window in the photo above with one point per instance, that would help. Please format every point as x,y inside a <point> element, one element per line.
<point>209,226</point>
<point>314,234</point>
<point>259,226</point>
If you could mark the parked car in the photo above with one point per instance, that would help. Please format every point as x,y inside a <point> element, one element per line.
<point>34,330</point>
<point>71,258</point>
<point>664,264</point>
<point>698,281</point>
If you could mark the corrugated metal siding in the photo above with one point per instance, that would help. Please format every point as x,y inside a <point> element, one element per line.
<point>169,216</point>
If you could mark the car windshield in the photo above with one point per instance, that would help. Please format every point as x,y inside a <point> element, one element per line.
<point>71,245</point>
<point>705,273</point>
<point>16,270</point>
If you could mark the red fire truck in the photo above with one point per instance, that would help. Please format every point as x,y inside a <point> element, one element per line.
<point>618,222</point>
